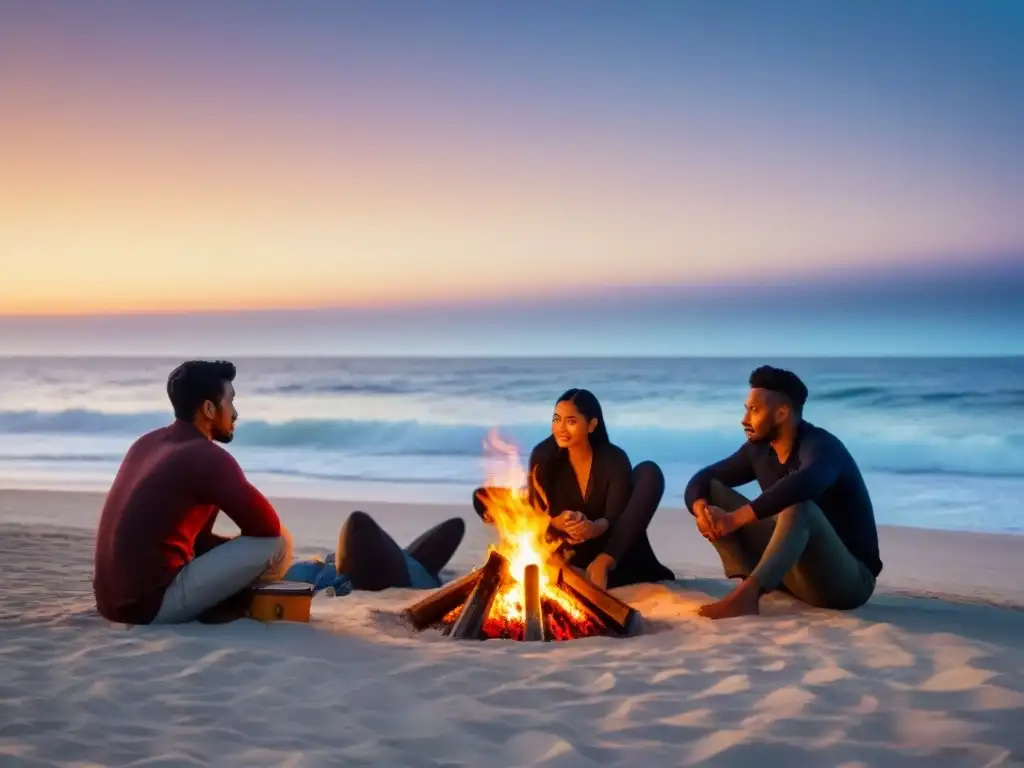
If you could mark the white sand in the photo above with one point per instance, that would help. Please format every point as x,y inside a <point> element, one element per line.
<point>906,680</point>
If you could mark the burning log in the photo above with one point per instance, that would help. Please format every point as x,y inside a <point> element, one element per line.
<point>523,592</point>
<point>435,606</point>
<point>594,624</point>
<point>470,623</point>
<point>612,612</point>
<point>534,629</point>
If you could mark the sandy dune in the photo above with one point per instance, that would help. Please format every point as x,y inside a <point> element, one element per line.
<point>904,681</point>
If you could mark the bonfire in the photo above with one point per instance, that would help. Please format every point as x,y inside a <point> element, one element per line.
<point>526,590</point>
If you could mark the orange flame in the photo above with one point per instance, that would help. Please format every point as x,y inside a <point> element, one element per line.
<point>521,531</point>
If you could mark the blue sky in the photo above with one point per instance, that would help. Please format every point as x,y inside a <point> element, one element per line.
<point>384,157</point>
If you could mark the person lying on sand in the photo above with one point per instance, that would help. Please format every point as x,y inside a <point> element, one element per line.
<point>598,503</point>
<point>157,560</point>
<point>367,558</point>
<point>811,531</point>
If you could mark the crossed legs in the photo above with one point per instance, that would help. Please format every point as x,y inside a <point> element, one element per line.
<point>797,550</point>
<point>628,543</point>
<point>218,581</point>
<point>214,578</point>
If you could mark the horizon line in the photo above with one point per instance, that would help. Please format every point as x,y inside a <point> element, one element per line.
<point>539,356</point>
<point>823,277</point>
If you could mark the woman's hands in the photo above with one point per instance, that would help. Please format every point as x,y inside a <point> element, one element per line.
<point>563,521</point>
<point>586,529</point>
<point>577,527</point>
<point>598,570</point>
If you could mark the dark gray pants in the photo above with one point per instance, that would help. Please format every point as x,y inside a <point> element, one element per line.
<point>798,549</point>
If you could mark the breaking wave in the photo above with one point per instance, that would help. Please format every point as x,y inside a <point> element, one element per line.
<point>875,450</point>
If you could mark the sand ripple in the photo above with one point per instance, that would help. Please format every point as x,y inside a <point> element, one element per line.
<point>898,683</point>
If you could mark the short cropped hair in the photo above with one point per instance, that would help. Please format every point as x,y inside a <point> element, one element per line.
<point>194,382</point>
<point>783,382</point>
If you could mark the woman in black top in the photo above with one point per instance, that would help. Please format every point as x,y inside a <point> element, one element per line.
<point>598,503</point>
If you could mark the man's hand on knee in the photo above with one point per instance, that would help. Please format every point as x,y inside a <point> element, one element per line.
<point>704,524</point>
<point>282,558</point>
<point>700,516</point>
<point>287,544</point>
<point>719,523</point>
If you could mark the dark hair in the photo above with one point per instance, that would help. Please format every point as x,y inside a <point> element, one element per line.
<point>783,382</point>
<point>589,406</point>
<point>194,382</point>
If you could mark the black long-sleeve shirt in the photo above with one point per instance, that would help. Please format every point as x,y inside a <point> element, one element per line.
<point>819,469</point>
<point>608,488</point>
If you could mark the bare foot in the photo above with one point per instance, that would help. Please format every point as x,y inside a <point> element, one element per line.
<point>742,601</point>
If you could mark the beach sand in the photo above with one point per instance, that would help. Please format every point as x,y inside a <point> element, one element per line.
<point>910,679</point>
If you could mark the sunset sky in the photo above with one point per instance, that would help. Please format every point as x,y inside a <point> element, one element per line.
<point>215,156</point>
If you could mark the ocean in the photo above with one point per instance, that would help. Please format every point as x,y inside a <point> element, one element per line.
<point>940,441</point>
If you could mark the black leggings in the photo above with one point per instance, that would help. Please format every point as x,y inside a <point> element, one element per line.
<point>627,540</point>
<point>373,560</point>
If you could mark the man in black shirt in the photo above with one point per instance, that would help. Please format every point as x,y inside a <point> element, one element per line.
<point>811,531</point>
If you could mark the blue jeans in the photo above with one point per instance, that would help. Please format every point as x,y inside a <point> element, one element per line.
<point>322,574</point>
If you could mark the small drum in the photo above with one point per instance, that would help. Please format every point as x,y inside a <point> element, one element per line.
<point>281,601</point>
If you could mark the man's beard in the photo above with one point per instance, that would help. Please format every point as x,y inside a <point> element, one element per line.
<point>223,437</point>
<point>767,437</point>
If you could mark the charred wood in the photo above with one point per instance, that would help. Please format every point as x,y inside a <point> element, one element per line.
<point>615,614</point>
<point>596,622</point>
<point>470,624</point>
<point>534,629</point>
<point>435,606</point>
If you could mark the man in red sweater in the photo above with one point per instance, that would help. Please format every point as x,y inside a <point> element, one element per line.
<point>157,560</point>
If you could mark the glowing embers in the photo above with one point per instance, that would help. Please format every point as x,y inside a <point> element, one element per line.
<point>490,603</point>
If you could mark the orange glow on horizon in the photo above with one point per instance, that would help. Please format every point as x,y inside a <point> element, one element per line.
<point>125,193</point>
<point>137,304</point>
